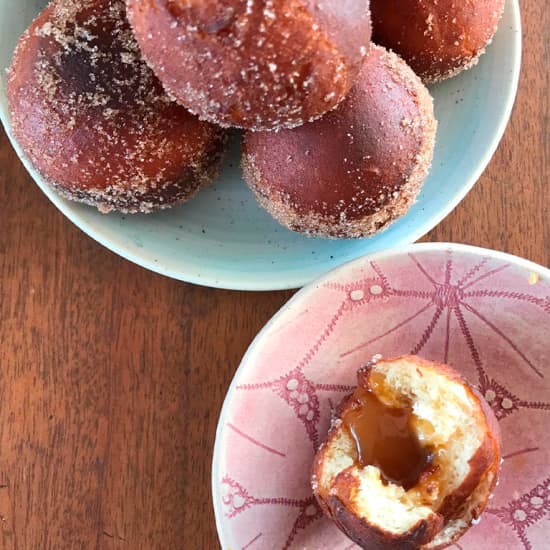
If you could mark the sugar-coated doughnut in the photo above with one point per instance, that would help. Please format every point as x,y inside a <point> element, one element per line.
<point>94,120</point>
<point>437,38</point>
<point>358,168</point>
<point>254,64</point>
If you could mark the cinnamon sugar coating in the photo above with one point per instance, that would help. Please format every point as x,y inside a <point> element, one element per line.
<point>95,121</point>
<point>254,64</point>
<point>356,170</point>
<point>437,38</point>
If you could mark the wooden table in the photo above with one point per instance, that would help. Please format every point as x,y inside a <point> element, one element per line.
<point>112,377</point>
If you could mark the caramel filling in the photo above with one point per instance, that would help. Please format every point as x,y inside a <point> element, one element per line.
<point>384,438</point>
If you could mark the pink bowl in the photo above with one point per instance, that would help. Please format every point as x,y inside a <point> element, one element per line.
<point>485,313</point>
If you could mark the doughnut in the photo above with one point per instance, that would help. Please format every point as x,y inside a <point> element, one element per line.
<point>94,120</point>
<point>360,167</point>
<point>437,38</point>
<point>411,458</point>
<point>258,65</point>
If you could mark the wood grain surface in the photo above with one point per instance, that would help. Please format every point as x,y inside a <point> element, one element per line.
<point>112,377</point>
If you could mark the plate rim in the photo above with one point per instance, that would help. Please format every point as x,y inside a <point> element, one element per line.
<point>213,278</point>
<point>440,247</point>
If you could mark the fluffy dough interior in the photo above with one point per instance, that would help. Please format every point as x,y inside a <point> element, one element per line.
<point>445,418</point>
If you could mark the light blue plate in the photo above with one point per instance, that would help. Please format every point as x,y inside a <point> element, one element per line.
<point>223,239</point>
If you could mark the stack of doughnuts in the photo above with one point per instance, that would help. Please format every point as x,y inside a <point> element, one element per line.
<point>125,104</point>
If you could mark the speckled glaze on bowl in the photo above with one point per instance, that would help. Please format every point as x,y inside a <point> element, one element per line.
<point>223,239</point>
<point>485,313</point>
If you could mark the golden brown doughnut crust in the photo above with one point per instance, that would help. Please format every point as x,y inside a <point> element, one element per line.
<point>255,64</point>
<point>94,120</point>
<point>357,169</point>
<point>437,38</point>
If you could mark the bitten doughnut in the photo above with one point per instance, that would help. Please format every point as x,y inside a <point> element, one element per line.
<point>251,64</point>
<point>411,458</point>
<point>94,120</point>
<point>358,168</point>
<point>437,38</point>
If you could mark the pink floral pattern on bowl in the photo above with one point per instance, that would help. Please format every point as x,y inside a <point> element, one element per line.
<point>487,314</point>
